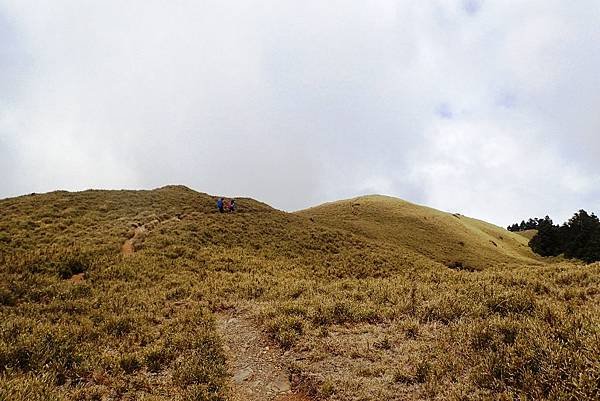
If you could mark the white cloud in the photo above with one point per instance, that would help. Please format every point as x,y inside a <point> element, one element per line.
<point>482,107</point>
<point>484,169</point>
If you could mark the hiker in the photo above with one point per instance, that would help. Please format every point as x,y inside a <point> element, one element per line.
<point>232,205</point>
<point>220,205</point>
<point>227,203</point>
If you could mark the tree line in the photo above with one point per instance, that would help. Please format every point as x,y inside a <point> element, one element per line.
<point>577,238</point>
<point>531,224</point>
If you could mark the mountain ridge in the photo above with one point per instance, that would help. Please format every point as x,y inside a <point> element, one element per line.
<point>156,295</point>
<point>450,239</point>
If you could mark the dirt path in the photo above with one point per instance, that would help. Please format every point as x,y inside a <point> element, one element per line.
<point>141,231</point>
<point>256,366</point>
<point>129,245</point>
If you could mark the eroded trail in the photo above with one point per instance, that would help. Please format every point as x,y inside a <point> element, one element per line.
<point>256,366</point>
<point>129,245</point>
<point>139,234</point>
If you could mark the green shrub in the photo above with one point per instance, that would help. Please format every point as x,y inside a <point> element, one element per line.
<point>403,377</point>
<point>422,371</point>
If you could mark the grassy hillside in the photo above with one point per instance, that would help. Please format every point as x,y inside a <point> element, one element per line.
<point>529,234</point>
<point>447,238</point>
<point>372,298</point>
<point>95,219</point>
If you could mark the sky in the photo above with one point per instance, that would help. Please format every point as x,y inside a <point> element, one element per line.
<point>485,108</point>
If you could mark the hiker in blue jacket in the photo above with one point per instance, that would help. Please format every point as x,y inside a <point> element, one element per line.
<point>220,205</point>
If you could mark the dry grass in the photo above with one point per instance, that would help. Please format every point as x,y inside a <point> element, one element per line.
<point>443,237</point>
<point>374,298</point>
<point>529,234</point>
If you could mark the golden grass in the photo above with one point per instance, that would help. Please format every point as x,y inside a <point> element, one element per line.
<point>443,237</point>
<point>529,234</point>
<point>375,298</point>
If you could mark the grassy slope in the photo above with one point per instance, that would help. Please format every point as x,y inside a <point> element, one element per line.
<point>325,283</point>
<point>116,332</point>
<point>529,234</point>
<point>96,218</point>
<point>443,237</point>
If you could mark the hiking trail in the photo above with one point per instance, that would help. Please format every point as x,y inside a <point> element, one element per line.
<point>256,366</point>
<point>129,245</point>
<point>140,231</point>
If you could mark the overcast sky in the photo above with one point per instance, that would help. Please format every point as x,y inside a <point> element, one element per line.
<point>487,108</point>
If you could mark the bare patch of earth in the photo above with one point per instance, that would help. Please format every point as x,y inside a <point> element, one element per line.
<point>129,246</point>
<point>257,367</point>
<point>78,278</point>
<point>140,232</point>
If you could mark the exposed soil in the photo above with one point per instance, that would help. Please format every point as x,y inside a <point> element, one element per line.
<point>139,234</point>
<point>256,366</point>
<point>78,278</point>
<point>129,245</point>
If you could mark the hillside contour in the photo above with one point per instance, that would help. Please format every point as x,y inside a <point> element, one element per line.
<point>154,295</point>
<point>451,239</point>
<point>102,219</point>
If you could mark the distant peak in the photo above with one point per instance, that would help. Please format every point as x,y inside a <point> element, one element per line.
<point>378,197</point>
<point>176,188</point>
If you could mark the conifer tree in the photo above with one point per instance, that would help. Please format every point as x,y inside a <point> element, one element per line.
<point>578,238</point>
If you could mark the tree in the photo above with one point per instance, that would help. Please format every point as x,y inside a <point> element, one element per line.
<point>578,238</point>
<point>591,252</point>
<point>513,227</point>
<point>580,234</point>
<point>531,224</point>
<point>547,241</point>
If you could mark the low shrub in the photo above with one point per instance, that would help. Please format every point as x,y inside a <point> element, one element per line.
<point>286,330</point>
